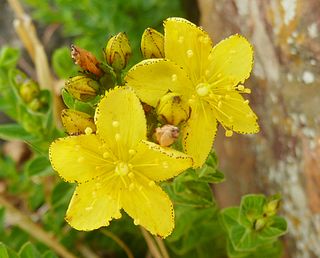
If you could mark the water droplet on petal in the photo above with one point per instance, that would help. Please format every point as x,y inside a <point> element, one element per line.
<point>189,53</point>
<point>117,137</point>
<point>88,130</point>
<point>181,39</point>
<point>115,124</point>
<point>136,222</point>
<point>229,133</point>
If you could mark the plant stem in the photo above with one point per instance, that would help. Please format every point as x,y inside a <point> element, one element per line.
<point>162,247</point>
<point>34,229</point>
<point>118,241</point>
<point>151,244</point>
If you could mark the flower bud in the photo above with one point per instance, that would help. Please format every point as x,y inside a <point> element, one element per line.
<point>86,60</point>
<point>35,104</point>
<point>173,109</point>
<point>29,90</point>
<point>76,122</point>
<point>118,51</point>
<point>152,44</point>
<point>260,223</point>
<point>167,135</point>
<point>272,206</point>
<point>82,87</point>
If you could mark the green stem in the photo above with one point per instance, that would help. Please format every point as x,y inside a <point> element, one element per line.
<point>118,241</point>
<point>34,229</point>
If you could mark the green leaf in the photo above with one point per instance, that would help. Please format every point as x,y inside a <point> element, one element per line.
<point>9,57</point>
<point>230,217</point>
<point>275,228</point>
<point>68,99</point>
<point>62,63</point>
<point>251,208</point>
<point>28,250</point>
<point>39,166</point>
<point>3,251</point>
<point>210,174</point>
<point>49,254</point>
<point>14,132</point>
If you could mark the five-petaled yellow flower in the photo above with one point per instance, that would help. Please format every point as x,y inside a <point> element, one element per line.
<point>118,168</point>
<point>207,79</point>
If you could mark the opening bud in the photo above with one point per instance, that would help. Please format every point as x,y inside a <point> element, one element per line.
<point>86,60</point>
<point>82,87</point>
<point>260,223</point>
<point>166,135</point>
<point>173,109</point>
<point>152,44</point>
<point>272,206</point>
<point>76,122</point>
<point>118,51</point>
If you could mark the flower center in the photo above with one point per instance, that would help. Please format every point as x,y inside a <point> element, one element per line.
<point>122,169</point>
<point>202,89</point>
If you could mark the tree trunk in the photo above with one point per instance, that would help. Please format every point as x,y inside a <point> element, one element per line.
<point>285,156</point>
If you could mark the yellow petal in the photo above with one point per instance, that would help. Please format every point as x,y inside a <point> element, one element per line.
<point>92,206</point>
<point>77,158</point>
<point>150,207</point>
<point>159,163</point>
<point>121,121</point>
<point>231,59</point>
<point>199,132</point>
<point>152,78</point>
<point>236,114</point>
<point>76,122</point>
<point>187,45</point>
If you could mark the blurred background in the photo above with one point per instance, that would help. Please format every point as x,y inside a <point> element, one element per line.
<point>283,158</point>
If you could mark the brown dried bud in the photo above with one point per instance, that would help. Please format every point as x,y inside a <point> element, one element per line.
<point>86,60</point>
<point>167,135</point>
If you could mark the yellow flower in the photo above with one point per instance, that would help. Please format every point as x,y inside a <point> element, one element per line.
<point>118,168</point>
<point>206,78</point>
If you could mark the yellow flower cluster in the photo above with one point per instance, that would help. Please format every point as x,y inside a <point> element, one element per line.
<point>114,165</point>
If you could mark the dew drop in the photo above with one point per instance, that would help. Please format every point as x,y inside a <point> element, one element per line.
<point>229,133</point>
<point>165,164</point>
<point>117,137</point>
<point>181,39</point>
<point>189,53</point>
<point>132,152</point>
<point>115,124</point>
<point>88,130</point>
<point>174,77</point>
<point>151,183</point>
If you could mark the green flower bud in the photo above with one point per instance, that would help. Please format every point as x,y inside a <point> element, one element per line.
<point>76,122</point>
<point>260,223</point>
<point>29,90</point>
<point>82,87</point>
<point>35,104</point>
<point>118,51</point>
<point>173,109</point>
<point>272,206</point>
<point>152,44</point>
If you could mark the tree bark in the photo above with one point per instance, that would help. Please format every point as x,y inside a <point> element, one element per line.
<point>285,156</point>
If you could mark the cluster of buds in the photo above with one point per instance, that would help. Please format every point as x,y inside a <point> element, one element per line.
<point>30,92</point>
<point>270,209</point>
